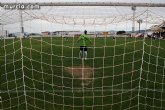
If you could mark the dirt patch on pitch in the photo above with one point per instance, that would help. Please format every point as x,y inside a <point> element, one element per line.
<point>82,73</point>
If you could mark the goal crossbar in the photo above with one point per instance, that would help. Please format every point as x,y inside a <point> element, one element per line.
<point>89,4</point>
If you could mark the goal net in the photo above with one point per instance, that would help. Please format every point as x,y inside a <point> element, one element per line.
<point>42,69</point>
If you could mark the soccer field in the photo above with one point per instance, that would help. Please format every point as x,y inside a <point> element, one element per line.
<point>128,74</point>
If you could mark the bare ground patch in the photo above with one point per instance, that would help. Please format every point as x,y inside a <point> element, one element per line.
<point>83,73</point>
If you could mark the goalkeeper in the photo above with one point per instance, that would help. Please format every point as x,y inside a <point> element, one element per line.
<point>83,39</point>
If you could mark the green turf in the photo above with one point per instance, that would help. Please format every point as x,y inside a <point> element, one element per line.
<point>115,87</point>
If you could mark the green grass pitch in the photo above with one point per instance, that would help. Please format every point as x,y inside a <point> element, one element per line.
<point>129,74</point>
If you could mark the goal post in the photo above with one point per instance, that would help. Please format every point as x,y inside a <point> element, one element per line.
<point>88,4</point>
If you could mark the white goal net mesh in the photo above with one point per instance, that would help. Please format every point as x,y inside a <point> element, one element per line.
<point>41,68</point>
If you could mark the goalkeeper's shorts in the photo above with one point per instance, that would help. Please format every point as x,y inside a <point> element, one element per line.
<point>83,48</point>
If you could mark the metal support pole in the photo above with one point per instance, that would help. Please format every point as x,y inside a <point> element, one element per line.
<point>21,24</point>
<point>139,27</point>
<point>133,20</point>
<point>139,21</point>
